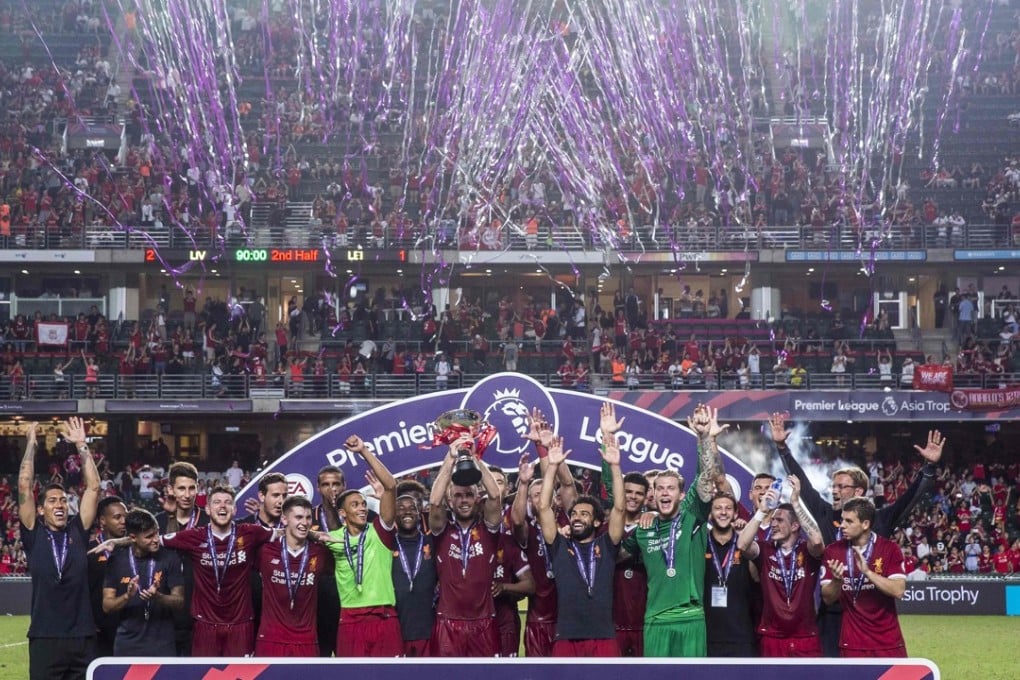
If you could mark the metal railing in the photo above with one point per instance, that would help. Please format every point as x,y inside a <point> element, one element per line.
<point>393,386</point>
<point>658,238</point>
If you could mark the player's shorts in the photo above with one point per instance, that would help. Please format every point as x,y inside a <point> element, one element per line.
<point>282,649</point>
<point>895,652</point>
<point>223,639</point>
<point>805,647</point>
<point>369,631</point>
<point>681,635</point>
<point>631,642</point>
<point>538,638</point>
<point>586,648</point>
<point>508,621</point>
<point>416,648</point>
<point>464,637</point>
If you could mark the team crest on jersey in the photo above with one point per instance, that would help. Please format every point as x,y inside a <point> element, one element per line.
<point>878,565</point>
<point>505,401</point>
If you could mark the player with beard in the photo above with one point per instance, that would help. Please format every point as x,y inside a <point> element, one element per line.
<point>222,554</point>
<point>465,560</point>
<point>414,578</point>
<point>111,512</point>
<point>330,483</point>
<point>144,585</point>
<point>789,564</point>
<point>540,630</point>
<point>673,549</point>
<point>864,572</point>
<point>183,513</point>
<point>630,581</point>
<point>849,483</point>
<point>291,570</point>
<point>62,631</point>
<point>363,552</point>
<point>513,579</point>
<point>585,562</point>
<point>272,494</point>
<point>728,585</point>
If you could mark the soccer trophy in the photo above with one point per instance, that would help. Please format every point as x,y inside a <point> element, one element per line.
<point>451,426</point>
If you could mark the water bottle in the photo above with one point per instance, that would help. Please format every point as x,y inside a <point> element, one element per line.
<point>777,486</point>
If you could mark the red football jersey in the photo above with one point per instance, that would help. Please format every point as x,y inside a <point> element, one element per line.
<point>786,615</point>
<point>227,601</point>
<point>281,621</point>
<point>466,592</point>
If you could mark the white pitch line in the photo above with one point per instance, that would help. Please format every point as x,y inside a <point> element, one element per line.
<point>14,644</point>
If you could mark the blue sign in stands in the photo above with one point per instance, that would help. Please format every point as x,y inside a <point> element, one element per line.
<point>1006,254</point>
<point>854,256</point>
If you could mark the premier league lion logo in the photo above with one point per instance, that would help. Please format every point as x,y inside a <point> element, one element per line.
<point>505,401</point>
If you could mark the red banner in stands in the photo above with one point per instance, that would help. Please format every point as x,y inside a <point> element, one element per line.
<point>986,400</point>
<point>934,377</point>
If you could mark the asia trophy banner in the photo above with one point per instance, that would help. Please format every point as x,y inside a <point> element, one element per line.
<point>400,433</point>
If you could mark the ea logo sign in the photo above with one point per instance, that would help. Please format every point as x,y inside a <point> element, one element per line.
<point>299,485</point>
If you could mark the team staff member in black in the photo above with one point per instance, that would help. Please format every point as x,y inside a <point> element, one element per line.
<point>62,632</point>
<point>728,586</point>
<point>182,492</point>
<point>144,586</point>
<point>112,513</point>
<point>272,494</point>
<point>331,484</point>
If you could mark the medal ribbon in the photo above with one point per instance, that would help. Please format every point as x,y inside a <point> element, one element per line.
<point>59,554</point>
<point>587,574</point>
<point>465,544</point>
<point>292,589</point>
<point>857,580</point>
<point>219,573</point>
<point>359,567</point>
<point>723,568</point>
<point>134,573</point>
<point>405,563</point>
<point>669,550</point>
<point>788,572</point>
<point>100,539</point>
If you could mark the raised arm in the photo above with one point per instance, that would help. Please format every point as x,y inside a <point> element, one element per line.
<point>75,433</point>
<point>746,542</point>
<point>519,508</point>
<point>705,423</point>
<point>437,497</point>
<point>388,500</point>
<point>618,513</point>
<point>492,508</point>
<point>815,544</point>
<point>892,516</point>
<point>812,499</point>
<point>26,478</point>
<point>546,517</point>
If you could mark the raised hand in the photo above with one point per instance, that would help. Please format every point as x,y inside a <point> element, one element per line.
<point>611,450</point>
<point>251,506</point>
<point>862,564</point>
<point>534,426</point>
<point>373,481</point>
<point>556,454</point>
<point>525,472</point>
<point>354,443</point>
<point>794,483</point>
<point>777,428</point>
<point>74,430</point>
<point>932,452</point>
<point>607,419</point>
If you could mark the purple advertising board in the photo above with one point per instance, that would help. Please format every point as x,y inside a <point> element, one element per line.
<point>400,433</point>
<point>813,405</point>
<point>511,669</point>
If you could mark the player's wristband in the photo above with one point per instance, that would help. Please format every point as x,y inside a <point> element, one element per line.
<point>759,516</point>
<point>542,451</point>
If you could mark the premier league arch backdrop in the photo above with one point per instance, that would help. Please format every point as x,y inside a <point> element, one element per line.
<point>400,433</point>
